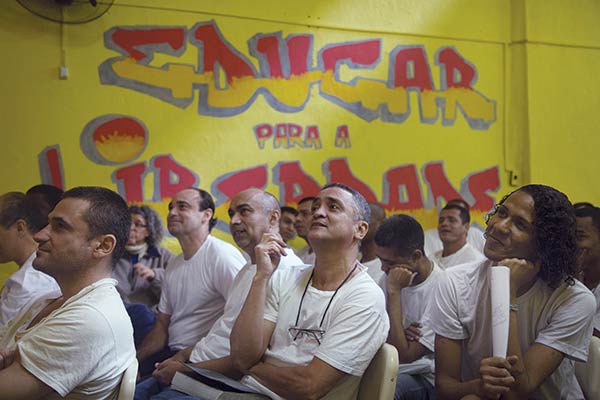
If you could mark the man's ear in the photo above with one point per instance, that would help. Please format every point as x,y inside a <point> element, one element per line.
<point>362,227</point>
<point>416,255</point>
<point>104,246</point>
<point>274,218</point>
<point>21,227</point>
<point>209,213</point>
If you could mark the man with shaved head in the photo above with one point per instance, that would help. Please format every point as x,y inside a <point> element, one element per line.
<point>253,213</point>
<point>197,282</point>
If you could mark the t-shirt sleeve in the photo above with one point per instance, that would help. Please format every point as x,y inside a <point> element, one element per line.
<point>228,263</point>
<point>354,335</point>
<point>597,315</point>
<point>164,305</point>
<point>68,349</point>
<point>444,313</point>
<point>570,327</point>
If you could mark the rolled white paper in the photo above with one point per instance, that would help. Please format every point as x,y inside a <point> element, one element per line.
<point>500,293</point>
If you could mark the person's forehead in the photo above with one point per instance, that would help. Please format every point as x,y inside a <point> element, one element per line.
<point>387,253</point>
<point>335,193</point>
<point>305,205</point>
<point>71,210</point>
<point>521,203</point>
<point>452,212</point>
<point>250,197</point>
<point>186,195</point>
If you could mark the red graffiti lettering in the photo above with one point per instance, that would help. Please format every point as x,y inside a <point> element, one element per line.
<point>129,181</point>
<point>411,69</point>
<point>294,183</point>
<point>216,50</point>
<point>456,72</point>
<point>363,53</point>
<point>479,184</point>
<point>129,39</point>
<point>439,185</point>
<point>298,50</point>
<point>337,170</point>
<point>172,177</point>
<point>269,46</point>
<point>227,186</point>
<point>401,189</point>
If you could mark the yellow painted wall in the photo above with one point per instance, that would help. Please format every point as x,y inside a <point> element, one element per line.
<point>536,61</point>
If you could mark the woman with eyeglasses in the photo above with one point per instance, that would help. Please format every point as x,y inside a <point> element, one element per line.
<point>141,269</point>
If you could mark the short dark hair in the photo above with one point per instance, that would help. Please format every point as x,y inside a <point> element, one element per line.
<point>402,233</point>
<point>554,233</point>
<point>465,217</point>
<point>41,199</point>
<point>592,212</point>
<point>363,211</point>
<point>206,202</point>
<point>459,202</point>
<point>154,224</point>
<point>305,199</point>
<point>13,208</point>
<point>582,204</point>
<point>107,214</point>
<point>290,210</point>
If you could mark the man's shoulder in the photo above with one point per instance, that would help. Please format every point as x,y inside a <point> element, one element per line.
<point>214,246</point>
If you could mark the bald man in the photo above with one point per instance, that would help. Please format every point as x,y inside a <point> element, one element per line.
<point>253,213</point>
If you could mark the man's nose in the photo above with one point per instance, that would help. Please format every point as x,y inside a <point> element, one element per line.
<point>42,235</point>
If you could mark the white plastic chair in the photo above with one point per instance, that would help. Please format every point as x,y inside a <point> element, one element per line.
<point>588,374</point>
<point>379,380</point>
<point>127,388</point>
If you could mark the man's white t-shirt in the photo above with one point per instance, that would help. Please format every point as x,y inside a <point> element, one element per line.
<point>433,243</point>
<point>559,318</point>
<point>26,284</point>
<point>466,254</point>
<point>355,325</point>
<point>374,269</point>
<point>216,343</point>
<point>596,292</point>
<point>80,349</point>
<point>195,291</point>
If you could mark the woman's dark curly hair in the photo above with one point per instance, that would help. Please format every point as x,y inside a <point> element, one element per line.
<point>153,222</point>
<point>555,230</point>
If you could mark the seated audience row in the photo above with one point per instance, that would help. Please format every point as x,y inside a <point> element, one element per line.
<point>292,328</point>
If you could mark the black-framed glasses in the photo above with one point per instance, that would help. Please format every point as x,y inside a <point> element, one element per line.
<point>316,334</point>
<point>138,225</point>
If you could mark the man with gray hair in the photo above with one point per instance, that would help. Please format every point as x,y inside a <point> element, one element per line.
<point>315,328</point>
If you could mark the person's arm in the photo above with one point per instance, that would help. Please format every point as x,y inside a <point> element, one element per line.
<point>408,351</point>
<point>248,349</point>
<point>448,382</point>
<point>156,339</point>
<point>304,382</point>
<point>529,369</point>
<point>16,383</point>
<point>165,371</point>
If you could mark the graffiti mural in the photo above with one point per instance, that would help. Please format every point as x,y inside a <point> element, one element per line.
<point>287,72</point>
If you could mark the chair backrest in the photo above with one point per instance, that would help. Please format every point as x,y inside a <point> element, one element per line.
<point>127,388</point>
<point>588,374</point>
<point>379,380</point>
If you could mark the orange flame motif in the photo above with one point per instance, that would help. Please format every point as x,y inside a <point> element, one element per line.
<point>114,139</point>
<point>119,140</point>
